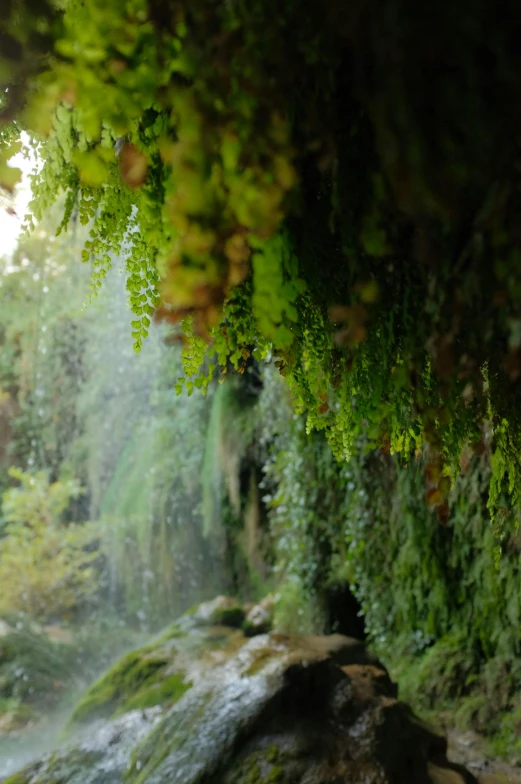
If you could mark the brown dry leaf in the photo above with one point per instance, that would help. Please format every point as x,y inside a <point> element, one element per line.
<point>341,337</point>
<point>432,472</point>
<point>433,496</point>
<point>175,338</point>
<point>118,66</point>
<point>69,94</point>
<point>443,513</point>
<point>236,248</point>
<point>169,315</point>
<point>339,313</point>
<point>468,393</point>
<point>444,362</point>
<point>205,295</point>
<point>133,165</point>
<point>213,315</point>
<point>357,335</point>
<point>479,447</point>
<point>237,273</point>
<point>385,448</point>
<point>464,461</point>
<point>512,364</point>
<point>201,325</point>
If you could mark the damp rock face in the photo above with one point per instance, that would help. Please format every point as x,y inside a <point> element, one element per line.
<point>269,709</point>
<point>101,757</point>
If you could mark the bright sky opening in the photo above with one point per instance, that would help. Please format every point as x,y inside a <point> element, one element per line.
<point>12,215</point>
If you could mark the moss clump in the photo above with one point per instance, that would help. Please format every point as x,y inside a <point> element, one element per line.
<point>170,737</point>
<point>136,681</point>
<point>61,768</point>
<point>222,611</point>
<point>191,611</point>
<point>168,690</point>
<point>173,632</point>
<point>260,767</point>
<point>273,753</point>
<point>251,629</point>
<point>229,616</point>
<point>21,777</point>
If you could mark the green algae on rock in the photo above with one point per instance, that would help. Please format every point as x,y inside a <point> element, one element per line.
<point>136,681</point>
<point>157,674</point>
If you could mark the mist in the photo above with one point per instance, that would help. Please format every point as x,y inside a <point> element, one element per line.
<point>101,473</point>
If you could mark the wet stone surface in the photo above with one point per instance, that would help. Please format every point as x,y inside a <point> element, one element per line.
<point>468,748</point>
<point>102,756</point>
<point>265,709</point>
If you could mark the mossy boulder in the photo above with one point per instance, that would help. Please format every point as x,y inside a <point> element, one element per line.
<point>231,709</point>
<point>293,709</point>
<point>228,612</point>
<point>161,672</point>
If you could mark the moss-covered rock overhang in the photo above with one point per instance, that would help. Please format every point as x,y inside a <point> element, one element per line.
<point>338,187</point>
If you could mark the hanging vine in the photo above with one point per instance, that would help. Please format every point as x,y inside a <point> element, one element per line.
<point>336,187</point>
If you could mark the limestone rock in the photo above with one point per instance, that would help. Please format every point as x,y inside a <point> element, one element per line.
<point>259,618</point>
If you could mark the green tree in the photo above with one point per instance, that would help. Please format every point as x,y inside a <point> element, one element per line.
<point>42,336</point>
<point>46,565</point>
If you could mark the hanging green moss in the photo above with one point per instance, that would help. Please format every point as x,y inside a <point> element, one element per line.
<point>228,437</point>
<point>435,606</point>
<point>336,189</point>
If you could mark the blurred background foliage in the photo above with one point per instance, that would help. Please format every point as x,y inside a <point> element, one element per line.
<point>88,434</point>
<point>102,538</point>
<point>46,565</point>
